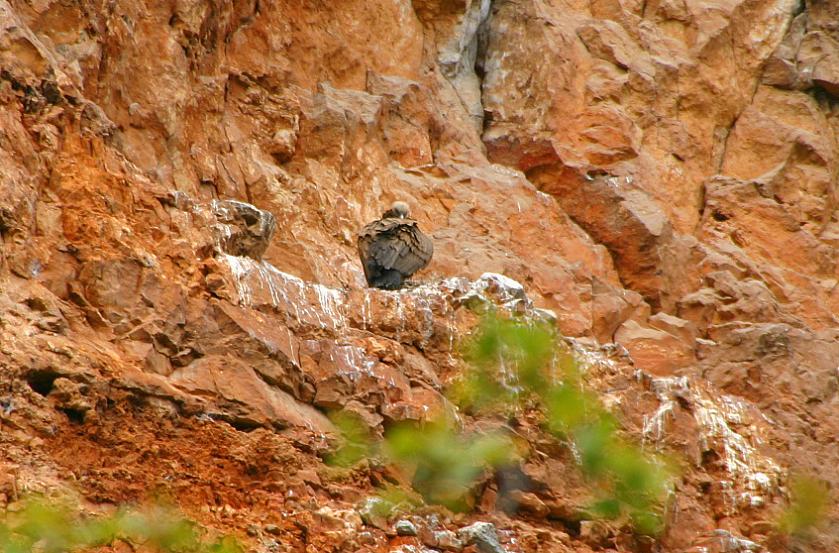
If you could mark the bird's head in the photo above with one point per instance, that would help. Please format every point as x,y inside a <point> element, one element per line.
<point>398,210</point>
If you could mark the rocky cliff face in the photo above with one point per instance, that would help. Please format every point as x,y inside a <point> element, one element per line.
<point>180,187</point>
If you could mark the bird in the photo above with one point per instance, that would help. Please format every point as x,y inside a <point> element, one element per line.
<point>393,248</point>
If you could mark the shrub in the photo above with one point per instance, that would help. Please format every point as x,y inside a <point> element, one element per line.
<point>513,365</point>
<point>52,527</point>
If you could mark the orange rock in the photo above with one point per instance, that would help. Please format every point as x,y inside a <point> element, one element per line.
<point>655,351</point>
<point>660,175</point>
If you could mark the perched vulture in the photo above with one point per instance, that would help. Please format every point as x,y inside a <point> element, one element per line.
<point>393,248</point>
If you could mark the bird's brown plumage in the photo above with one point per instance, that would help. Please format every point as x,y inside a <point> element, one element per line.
<point>393,248</point>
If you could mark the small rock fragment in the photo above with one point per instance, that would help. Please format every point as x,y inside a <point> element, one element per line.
<point>405,528</point>
<point>282,144</point>
<point>413,549</point>
<point>272,529</point>
<point>242,229</point>
<point>502,287</point>
<point>338,519</point>
<point>547,316</point>
<point>483,535</point>
<point>374,512</point>
<point>529,503</point>
<point>447,541</point>
<point>366,538</point>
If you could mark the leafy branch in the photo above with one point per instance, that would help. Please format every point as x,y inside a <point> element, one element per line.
<point>514,365</point>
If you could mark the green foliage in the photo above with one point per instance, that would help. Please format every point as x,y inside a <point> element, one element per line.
<point>809,502</point>
<point>510,355</point>
<point>508,360</point>
<point>446,462</point>
<point>514,365</point>
<point>357,443</point>
<point>55,528</point>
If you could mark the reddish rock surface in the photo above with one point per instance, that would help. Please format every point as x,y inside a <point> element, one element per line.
<point>181,302</point>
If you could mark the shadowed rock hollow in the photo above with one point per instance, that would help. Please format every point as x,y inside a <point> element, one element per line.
<point>181,184</point>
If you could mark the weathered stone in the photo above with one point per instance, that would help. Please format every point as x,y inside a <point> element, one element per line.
<point>70,397</point>
<point>699,307</point>
<point>684,330</point>
<point>366,538</point>
<point>529,503</point>
<point>411,549</point>
<point>483,535</point>
<point>242,229</point>
<point>405,528</point>
<point>595,533</point>
<point>656,351</point>
<point>338,519</point>
<point>406,122</point>
<point>272,529</point>
<point>818,55</point>
<point>374,511</point>
<point>457,47</point>
<point>802,260</point>
<point>243,398</point>
<point>781,70</point>
<point>441,539</point>
<point>612,209</point>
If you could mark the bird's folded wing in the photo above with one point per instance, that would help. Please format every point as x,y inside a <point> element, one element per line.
<point>400,245</point>
<point>386,249</point>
